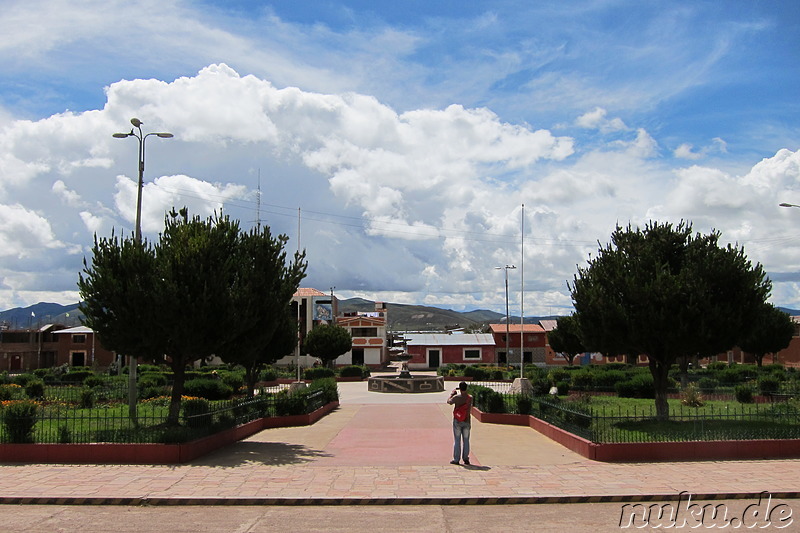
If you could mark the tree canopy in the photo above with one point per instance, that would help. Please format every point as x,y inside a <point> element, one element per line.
<point>772,331</point>
<point>194,293</point>
<point>327,342</point>
<point>565,339</point>
<point>664,292</point>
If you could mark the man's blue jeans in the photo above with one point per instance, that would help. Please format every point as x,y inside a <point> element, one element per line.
<point>460,433</point>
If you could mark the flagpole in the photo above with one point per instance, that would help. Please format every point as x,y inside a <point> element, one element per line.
<point>522,296</point>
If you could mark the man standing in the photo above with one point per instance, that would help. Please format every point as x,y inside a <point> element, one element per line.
<point>462,405</point>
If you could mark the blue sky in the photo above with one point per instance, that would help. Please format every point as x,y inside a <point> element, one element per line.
<point>408,135</point>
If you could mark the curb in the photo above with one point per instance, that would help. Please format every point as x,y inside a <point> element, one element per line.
<point>513,500</point>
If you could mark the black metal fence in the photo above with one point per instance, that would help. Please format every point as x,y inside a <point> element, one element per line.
<point>603,424</point>
<point>58,418</point>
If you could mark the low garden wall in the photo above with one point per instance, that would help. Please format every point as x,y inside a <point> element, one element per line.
<point>650,451</point>
<point>120,453</point>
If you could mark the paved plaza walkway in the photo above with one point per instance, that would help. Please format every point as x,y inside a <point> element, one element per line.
<point>392,449</point>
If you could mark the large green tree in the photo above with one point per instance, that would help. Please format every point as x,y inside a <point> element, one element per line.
<point>181,297</point>
<point>327,342</point>
<point>565,338</point>
<point>665,292</point>
<point>262,295</point>
<point>772,331</point>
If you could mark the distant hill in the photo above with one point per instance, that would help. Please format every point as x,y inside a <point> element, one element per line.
<point>40,314</point>
<point>402,317</point>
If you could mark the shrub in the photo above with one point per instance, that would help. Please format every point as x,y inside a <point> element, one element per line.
<point>152,379</point>
<point>19,417</point>
<point>607,379</point>
<point>76,376</point>
<point>319,372</point>
<point>707,384</point>
<point>210,389</point>
<point>287,404</point>
<point>769,384</point>
<point>196,413</point>
<point>558,374</point>
<point>235,380</point>
<point>563,388</point>
<point>691,396</point>
<point>717,365</point>
<point>87,398</point>
<point>353,371</point>
<point>94,381</point>
<point>64,434</point>
<point>582,379</point>
<point>22,379</point>
<point>743,393</point>
<point>268,374</point>
<point>35,389</point>
<point>639,386</point>
<point>328,386</point>
<point>524,404</point>
<point>477,373</point>
<point>9,392</point>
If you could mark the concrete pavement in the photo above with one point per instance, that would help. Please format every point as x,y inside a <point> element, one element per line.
<point>392,449</point>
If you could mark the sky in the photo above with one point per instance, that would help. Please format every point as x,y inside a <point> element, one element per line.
<point>412,149</point>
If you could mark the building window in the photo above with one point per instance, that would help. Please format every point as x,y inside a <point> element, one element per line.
<point>78,339</point>
<point>472,353</point>
<point>364,332</point>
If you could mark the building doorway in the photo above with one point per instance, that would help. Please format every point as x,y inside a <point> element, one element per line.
<point>434,358</point>
<point>358,356</point>
<point>78,358</point>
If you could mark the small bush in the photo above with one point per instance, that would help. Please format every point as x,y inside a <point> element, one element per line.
<point>608,379</point>
<point>76,376</point>
<point>582,379</point>
<point>152,379</point>
<point>477,373</point>
<point>64,435</point>
<point>743,393</point>
<point>9,392</point>
<point>708,384</point>
<point>210,389</point>
<point>558,374</point>
<point>196,413</point>
<point>94,381</point>
<point>563,388</point>
<point>690,396</point>
<point>353,371</point>
<point>35,389</point>
<point>235,380</point>
<point>19,417</point>
<point>524,404</point>
<point>769,384</point>
<point>329,388</point>
<point>319,372</point>
<point>87,398</point>
<point>639,386</point>
<point>22,379</point>
<point>290,404</point>
<point>268,374</point>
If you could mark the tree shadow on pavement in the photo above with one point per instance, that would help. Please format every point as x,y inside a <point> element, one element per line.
<point>265,453</point>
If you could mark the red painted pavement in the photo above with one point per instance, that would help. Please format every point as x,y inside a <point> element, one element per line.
<point>399,435</point>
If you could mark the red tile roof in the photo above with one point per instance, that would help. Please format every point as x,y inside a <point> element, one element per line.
<point>515,328</point>
<point>305,292</point>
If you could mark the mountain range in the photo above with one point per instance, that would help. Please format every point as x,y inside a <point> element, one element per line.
<point>402,317</point>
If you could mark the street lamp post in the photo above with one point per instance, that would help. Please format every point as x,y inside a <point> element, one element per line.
<point>508,330</point>
<point>136,132</point>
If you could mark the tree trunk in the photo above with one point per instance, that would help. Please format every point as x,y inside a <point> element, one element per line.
<point>179,376</point>
<point>759,360</point>
<point>250,377</point>
<point>660,374</point>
